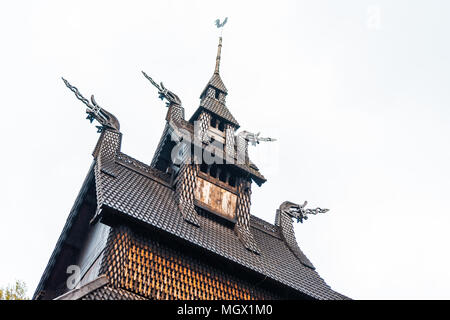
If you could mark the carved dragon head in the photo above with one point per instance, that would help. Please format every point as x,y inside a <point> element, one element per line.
<point>164,93</point>
<point>298,211</point>
<point>253,138</point>
<point>95,112</point>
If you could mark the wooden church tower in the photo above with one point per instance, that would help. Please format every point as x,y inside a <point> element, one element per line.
<point>181,227</point>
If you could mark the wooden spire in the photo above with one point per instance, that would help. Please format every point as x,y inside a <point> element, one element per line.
<point>219,49</point>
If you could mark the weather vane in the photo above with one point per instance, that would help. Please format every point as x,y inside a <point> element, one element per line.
<point>220,25</point>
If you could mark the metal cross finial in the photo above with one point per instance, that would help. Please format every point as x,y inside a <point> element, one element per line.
<point>94,111</point>
<point>298,211</point>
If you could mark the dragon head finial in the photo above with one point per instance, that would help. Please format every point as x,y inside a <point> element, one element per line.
<point>94,111</point>
<point>163,92</point>
<point>298,211</point>
<point>253,138</point>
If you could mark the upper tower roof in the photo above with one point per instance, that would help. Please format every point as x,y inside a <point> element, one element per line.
<point>214,95</point>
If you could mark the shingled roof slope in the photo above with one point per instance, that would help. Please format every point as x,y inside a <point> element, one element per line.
<point>219,108</point>
<point>99,289</point>
<point>216,82</point>
<point>108,292</point>
<point>148,201</point>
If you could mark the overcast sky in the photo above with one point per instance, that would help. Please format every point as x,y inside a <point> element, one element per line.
<point>356,92</point>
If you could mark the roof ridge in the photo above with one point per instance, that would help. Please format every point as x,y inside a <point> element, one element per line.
<point>259,220</point>
<point>265,226</point>
<point>142,168</point>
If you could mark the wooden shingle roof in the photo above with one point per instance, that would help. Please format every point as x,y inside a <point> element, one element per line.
<point>127,188</point>
<point>145,199</point>
<point>218,108</point>
<point>216,82</point>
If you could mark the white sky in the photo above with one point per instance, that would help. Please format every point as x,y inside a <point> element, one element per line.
<point>356,93</point>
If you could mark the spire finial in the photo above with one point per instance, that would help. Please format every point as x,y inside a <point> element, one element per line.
<point>219,48</point>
